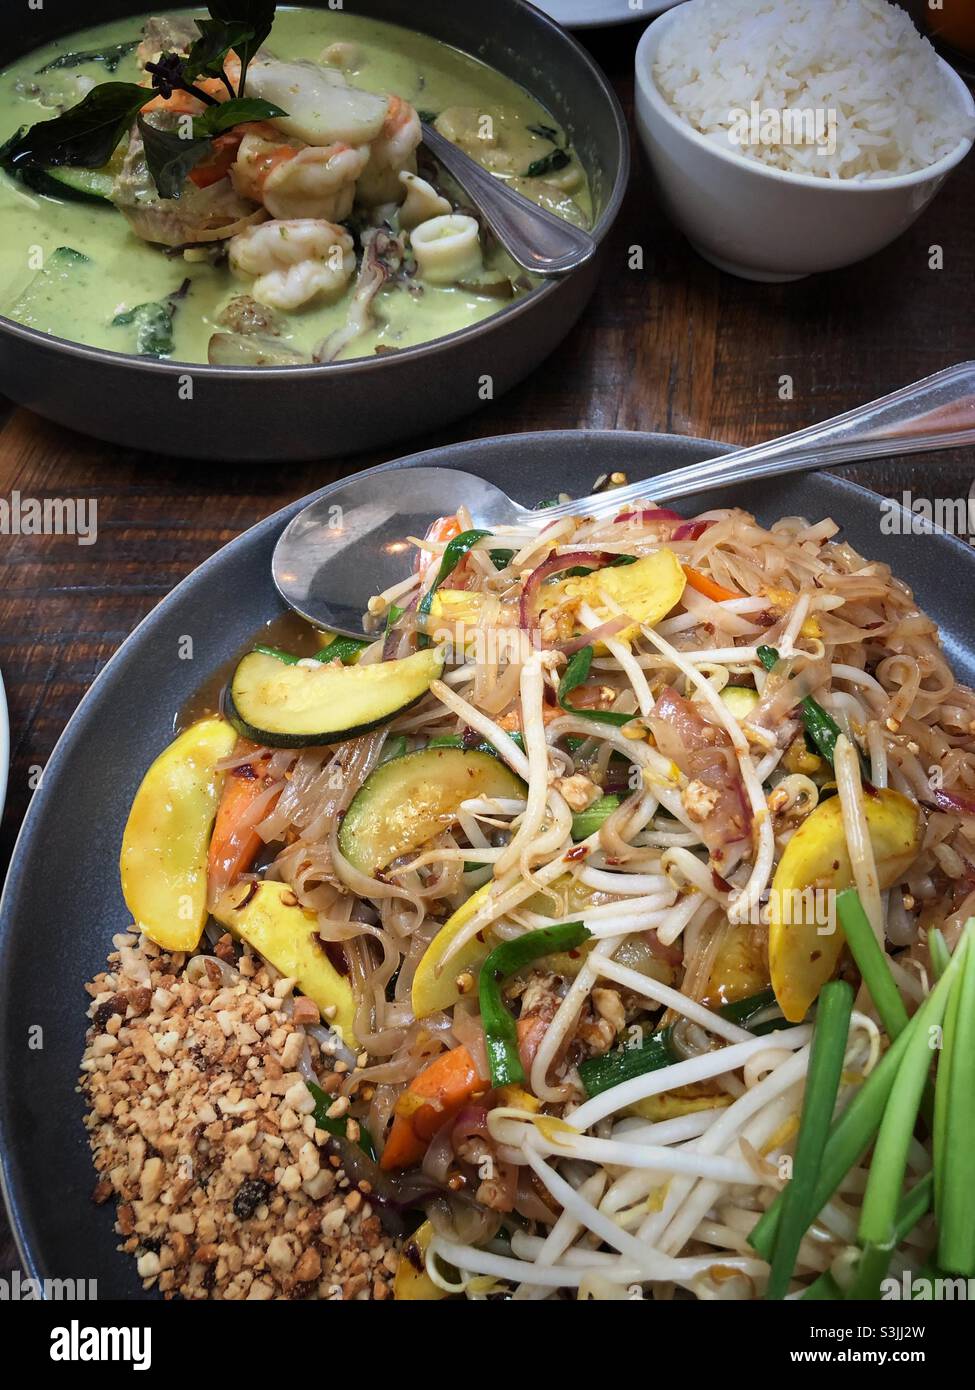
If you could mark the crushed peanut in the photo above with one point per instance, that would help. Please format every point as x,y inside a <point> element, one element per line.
<point>197,1123</point>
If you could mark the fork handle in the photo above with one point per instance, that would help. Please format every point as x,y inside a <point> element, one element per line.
<point>935,413</point>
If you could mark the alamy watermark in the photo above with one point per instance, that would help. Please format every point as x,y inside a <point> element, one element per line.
<point>920,516</point>
<point>15,1288</point>
<point>50,516</point>
<point>921,1288</point>
<point>792,125</point>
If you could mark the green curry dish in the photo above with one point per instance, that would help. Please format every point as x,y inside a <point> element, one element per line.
<point>98,183</point>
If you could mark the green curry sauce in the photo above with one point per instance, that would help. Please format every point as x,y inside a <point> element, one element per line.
<point>89,297</point>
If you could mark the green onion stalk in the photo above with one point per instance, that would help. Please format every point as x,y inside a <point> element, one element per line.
<point>854,1128</point>
<point>954,1129</point>
<point>819,1101</point>
<point>877,1231</point>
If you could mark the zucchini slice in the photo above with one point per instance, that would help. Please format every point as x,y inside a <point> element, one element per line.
<point>405,802</point>
<point>302,704</point>
<point>72,183</point>
<point>740,700</point>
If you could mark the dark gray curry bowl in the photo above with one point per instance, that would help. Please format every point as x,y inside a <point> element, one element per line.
<point>62,902</point>
<point>289,413</point>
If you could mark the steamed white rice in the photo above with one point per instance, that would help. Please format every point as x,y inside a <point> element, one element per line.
<point>859,65</point>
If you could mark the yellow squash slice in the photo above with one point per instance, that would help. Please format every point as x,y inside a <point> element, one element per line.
<point>433,991</point>
<point>805,941</point>
<point>270,919</point>
<point>412,1282</point>
<point>646,590</point>
<point>164,848</point>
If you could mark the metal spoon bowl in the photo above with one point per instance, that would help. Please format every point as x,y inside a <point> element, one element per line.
<point>342,549</point>
<point>534,238</point>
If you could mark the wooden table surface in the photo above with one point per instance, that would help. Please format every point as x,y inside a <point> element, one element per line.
<point>675,347</point>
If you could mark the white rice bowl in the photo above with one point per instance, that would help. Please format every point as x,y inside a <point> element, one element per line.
<point>858,71</point>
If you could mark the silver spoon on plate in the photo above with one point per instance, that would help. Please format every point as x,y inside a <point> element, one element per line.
<point>352,542</point>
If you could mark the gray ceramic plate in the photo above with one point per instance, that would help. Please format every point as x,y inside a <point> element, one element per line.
<point>62,902</point>
<point>278,413</point>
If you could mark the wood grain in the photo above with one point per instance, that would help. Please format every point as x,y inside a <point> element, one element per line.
<point>676,346</point>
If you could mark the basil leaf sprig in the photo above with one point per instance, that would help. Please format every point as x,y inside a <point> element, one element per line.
<point>255,15</point>
<point>170,156</point>
<point>208,54</point>
<point>548,164</point>
<point>84,135</point>
<point>87,135</point>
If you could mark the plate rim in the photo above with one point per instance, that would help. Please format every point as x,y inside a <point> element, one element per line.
<point>597,438</point>
<point>4,744</point>
<point>633,17</point>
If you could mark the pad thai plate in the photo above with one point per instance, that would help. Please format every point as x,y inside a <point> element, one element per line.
<point>63,903</point>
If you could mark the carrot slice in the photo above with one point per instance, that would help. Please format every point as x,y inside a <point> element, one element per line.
<point>235,843</point>
<point>180,102</point>
<point>222,155</point>
<point>438,1092</point>
<point>704,585</point>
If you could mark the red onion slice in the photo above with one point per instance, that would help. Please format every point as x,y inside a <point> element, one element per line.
<point>471,1121</point>
<point>555,564</point>
<point>951,802</point>
<point>647,515</point>
<point>596,634</point>
<point>691,530</point>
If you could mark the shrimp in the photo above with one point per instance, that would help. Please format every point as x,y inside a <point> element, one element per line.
<point>293,261</point>
<point>391,153</point>
<point>294,180</point>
